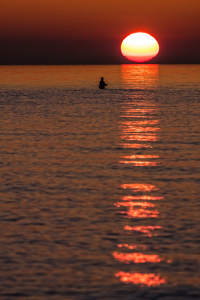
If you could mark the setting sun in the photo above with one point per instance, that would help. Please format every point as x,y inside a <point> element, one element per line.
<point>139,47</point>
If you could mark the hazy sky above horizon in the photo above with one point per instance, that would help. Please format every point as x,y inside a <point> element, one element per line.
<point>77,31</point>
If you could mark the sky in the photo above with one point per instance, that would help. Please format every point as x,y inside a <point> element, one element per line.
<point>91,31</point>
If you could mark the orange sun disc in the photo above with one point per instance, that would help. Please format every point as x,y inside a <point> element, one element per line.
<point>139,47</point>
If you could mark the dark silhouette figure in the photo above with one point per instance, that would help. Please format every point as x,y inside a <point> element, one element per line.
<point>102,84</point>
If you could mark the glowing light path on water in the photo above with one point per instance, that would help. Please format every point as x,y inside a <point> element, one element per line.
<point>141,203</point>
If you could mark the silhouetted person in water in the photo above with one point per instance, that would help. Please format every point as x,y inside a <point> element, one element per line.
<point>102,84</point>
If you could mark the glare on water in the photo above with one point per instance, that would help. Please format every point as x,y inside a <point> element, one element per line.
<point>99,188</point>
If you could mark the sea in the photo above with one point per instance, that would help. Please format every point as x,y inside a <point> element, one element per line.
<point>99,189</point>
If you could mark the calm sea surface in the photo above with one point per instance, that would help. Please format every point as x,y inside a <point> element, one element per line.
<point>99,189</point>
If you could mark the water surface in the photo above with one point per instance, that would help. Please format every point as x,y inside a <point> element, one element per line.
<point>99,189</point>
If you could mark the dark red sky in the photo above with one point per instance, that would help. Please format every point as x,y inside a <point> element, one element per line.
<point>91,31</point>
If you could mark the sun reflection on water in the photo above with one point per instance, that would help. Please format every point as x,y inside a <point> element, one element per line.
<point>139,137</point>
<point>132,116</point>
<point>131,204</point>
<point>143,197</point>
<point>139,187</point>
<point>140,163</point>
<point>142,247</point>
<point>135,146</point>
<point>141,279</point>
<point>140,156</point>
<point>132,129</point>
<point>139,127</point>
<point>140,213</point>
<point>147,230</point>
<point>139,76</point>
<point>137,258</point>
<point>140,123</point>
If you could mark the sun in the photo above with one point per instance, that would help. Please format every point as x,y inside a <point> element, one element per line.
<point>139,47</point>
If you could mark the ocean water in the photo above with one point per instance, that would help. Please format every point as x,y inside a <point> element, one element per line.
<point>99,189</point>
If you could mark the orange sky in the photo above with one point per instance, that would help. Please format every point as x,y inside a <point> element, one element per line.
<point>78,31</point>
